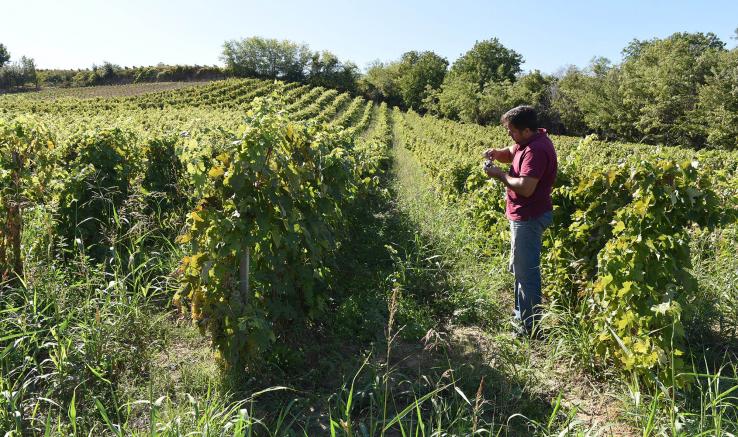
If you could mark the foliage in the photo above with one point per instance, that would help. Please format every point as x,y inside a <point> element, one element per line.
<point>266,58</point>
<point>111,74</point>
<point>660,84</point>
<point>328,71</point>
<point>406,82</point>
<point>621,235</point>
<point>565,101</point>
<point>101,168</point>
<point>287,60</point>
<point>86,347</point>
<point>677,90</point>
<point>488,61</point>
<point>625,250</point>
<point>4,55</point>
<point>380,83</point>
<point>718,103</point>
<point>27,155</point>
<point>18,74</point>
<point>478,87</point>
<point>417,74</point>
<point>534,89</point>
<point>164,174</point>
<point>273,195</point>
<point>459,99</point>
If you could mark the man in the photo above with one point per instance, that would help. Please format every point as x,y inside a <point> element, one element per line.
<point>528,204</point>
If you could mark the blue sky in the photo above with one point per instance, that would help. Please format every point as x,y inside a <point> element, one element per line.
<point>549,34</point>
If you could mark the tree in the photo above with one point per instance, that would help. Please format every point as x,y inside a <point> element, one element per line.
<point>459,99</point>
<point>660,93</point>
<point>597,94</point>
<point>28,67</point>
<point>19,73</point>
<point>494,100</point>
<point>534,89</point>
<point>407,82</point>
<point>488,61</point>
<point>380,83</point>
<point>718,103</point>
<point>565,100</point>
<point>660,83</point>
<point>328,71</point>
<point>266,58</point>
<point>4,55</point>
<point>418,75</point>
<point>476,88</point>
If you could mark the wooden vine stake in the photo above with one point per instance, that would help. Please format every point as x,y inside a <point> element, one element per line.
<point>11,263</point>
<point>243,272</point>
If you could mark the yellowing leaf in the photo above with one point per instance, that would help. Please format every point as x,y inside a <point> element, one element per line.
<point>626,288</point>
<point>651,359</point>
<point>618,228</point>
<point>185,238</point>
<point>641,347</point>
<point>216,172</point>
<point>611,175</point>
<point>627,318</point>
<point>628,360</point>
<point>603,282</point>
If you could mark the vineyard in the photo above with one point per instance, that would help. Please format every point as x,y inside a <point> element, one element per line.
<point>258,257</point>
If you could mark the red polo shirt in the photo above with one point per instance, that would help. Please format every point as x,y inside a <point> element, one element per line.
<point>536,159</point>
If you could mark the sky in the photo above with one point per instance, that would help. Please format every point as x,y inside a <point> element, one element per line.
<point>550,35</point>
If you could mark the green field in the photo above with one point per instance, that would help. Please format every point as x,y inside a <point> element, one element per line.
<point>254,257</point>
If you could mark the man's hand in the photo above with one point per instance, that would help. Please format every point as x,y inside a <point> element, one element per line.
<point>493,171</point>
<point>504,155</point>
<point>490,154</point>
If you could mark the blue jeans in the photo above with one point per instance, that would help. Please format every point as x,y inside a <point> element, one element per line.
<point>525,264</point>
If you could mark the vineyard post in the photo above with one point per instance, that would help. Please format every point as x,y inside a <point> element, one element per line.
<point>244,266</point>
<point>15,223</point>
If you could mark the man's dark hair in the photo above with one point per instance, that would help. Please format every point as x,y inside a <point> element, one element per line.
<point>521,117</point>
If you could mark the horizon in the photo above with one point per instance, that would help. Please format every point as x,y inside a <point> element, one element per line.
<point>358,33</point>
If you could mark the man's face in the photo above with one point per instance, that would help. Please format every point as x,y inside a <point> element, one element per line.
<point>519,136</point>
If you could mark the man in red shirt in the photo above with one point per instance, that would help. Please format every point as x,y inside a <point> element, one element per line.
<point>528,204</point>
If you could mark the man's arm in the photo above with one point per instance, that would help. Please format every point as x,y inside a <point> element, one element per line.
<point>524,185</point>
<point>504,155</point>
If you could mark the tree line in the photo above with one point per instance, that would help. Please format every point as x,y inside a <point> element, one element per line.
<point>14,75</point>
<point>678,90</point>
<point>290,61</point>
<point>108,73</point>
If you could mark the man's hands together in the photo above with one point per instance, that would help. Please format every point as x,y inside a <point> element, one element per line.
<point>489,168</point>
<point>490,154</point>
<point>493,171</point>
